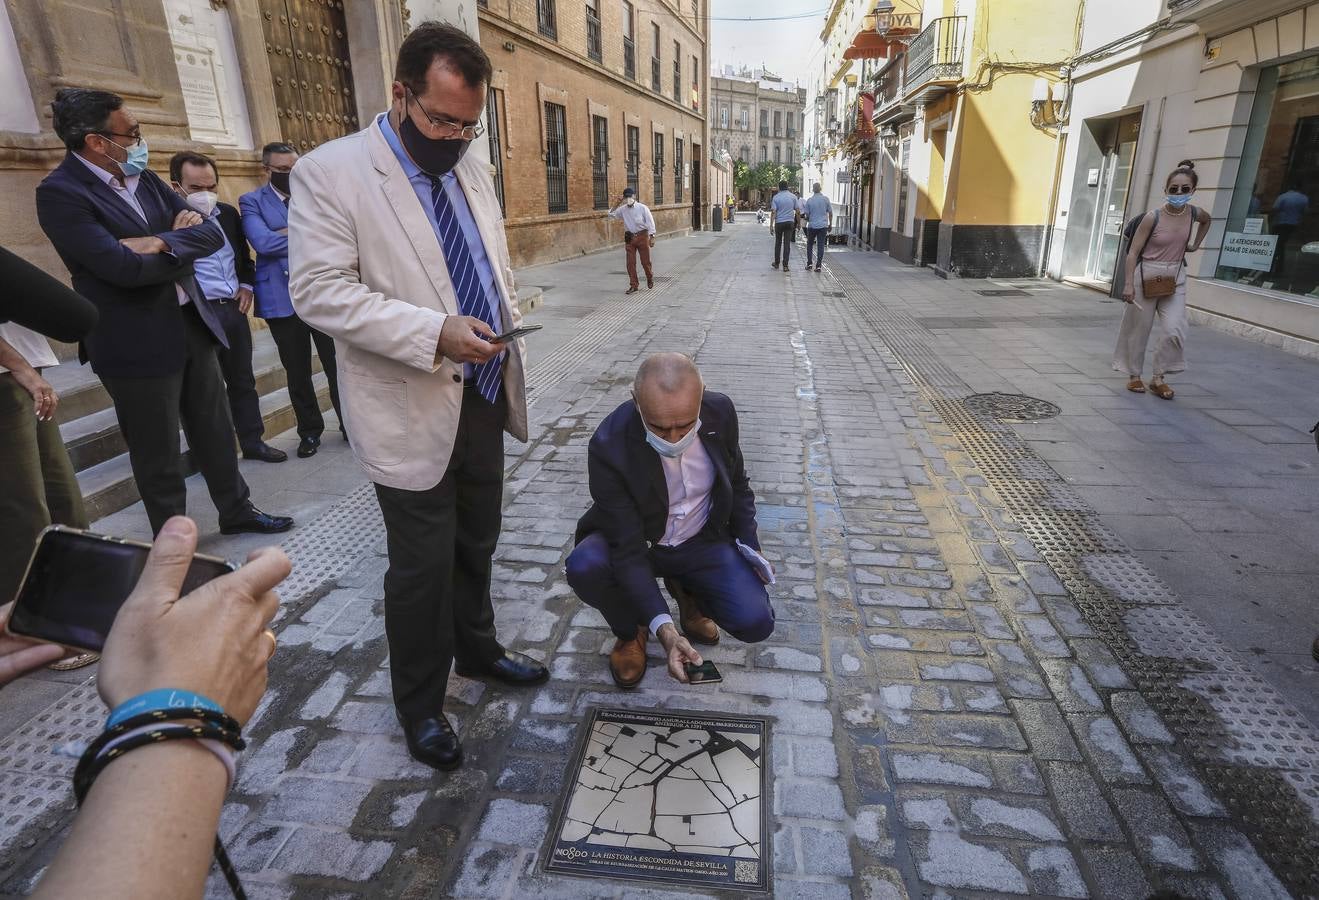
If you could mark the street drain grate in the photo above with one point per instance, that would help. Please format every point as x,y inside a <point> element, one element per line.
<point>669,798</point>
<point>1012,407</point>
<point>1001,292</point>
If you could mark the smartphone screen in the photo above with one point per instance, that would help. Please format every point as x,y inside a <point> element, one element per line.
<point>705,673</point>
<point>77,581</point>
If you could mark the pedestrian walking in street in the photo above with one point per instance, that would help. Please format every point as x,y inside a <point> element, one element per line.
<point>37,484</point>
<point>414,281</point>
<point>819,219</point>
<point>130,244</point>
<point>266,224</point>
<point>728,202</point>
<point>638,236</point>
<point>1155,286</point>
<point>672,501</point>
<point>785,206</point>
<point>226,278</point>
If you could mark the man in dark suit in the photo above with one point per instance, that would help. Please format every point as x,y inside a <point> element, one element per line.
<point>671,500</point>
<point>266,224</point>
<point>226,278</point>
<point>129,243</point>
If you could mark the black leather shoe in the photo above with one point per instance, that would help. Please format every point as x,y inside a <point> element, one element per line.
<point>265,453</point>
<point>512,668</point>
<point>257,522</point>
<point>308,447</point>
<point>432,741</point>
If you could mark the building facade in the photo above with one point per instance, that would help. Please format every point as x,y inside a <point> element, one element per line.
<point>756,117</point>
<point>1229,84</point>
<point>590,97</point>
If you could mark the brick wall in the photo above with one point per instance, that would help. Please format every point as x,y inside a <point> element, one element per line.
<point>542,69</point>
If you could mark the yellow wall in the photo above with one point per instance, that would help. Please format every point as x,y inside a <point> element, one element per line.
<point>1001,167</point>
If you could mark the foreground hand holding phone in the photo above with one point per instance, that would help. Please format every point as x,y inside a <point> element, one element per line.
<point>147,827</point>
<point>679,651</point>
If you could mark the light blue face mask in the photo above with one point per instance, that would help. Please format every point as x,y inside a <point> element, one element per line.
<point>676,448</point>
<point>1177,201</point>
<point>136,163</point>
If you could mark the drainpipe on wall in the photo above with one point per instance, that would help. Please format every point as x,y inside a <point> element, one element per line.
<point>1051,209</point>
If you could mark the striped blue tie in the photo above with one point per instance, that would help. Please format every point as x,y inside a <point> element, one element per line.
<point>467,284</point>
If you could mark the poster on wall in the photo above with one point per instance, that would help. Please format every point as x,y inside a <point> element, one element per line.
<point>1248,251</point>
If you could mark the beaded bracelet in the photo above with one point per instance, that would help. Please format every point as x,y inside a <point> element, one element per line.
<point>156,727</point>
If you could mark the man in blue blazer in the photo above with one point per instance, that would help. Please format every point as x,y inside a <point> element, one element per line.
<point>671,499</point>
<point>129,243</point>
<point>266,223</point>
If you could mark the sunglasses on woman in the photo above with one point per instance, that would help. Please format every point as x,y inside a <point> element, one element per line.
<point>1180,189</point>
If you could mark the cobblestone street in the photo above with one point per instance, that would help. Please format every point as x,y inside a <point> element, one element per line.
<point>1061,658</point>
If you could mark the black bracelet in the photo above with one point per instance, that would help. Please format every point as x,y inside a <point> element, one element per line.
<point>94,760</point>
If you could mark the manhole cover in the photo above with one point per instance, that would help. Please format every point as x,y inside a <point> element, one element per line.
<point>1011,407</point>
<point>1013,292</point>
<point>669,798</point>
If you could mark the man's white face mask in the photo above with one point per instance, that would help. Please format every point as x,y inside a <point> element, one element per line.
<point>675,448</point>
<point>631,201</point>
<point>203,201</point>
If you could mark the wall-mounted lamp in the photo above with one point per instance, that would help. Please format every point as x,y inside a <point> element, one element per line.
<point>510,46</point>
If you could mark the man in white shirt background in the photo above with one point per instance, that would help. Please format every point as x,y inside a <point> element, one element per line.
<point>671,499</point>
<point>638,236</point>
<point>819,219</point>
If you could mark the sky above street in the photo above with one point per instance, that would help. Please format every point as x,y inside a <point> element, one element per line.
<point>783,42</point>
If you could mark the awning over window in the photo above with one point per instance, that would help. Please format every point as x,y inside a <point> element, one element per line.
<point>865,112</point>
<point>869,45</point>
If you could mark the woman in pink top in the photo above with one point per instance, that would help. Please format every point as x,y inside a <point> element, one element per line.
<point>1159,247</point>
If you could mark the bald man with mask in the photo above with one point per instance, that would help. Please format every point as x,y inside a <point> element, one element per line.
<point>671,500</point>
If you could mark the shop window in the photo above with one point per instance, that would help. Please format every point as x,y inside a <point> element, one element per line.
<point>1272,234</point>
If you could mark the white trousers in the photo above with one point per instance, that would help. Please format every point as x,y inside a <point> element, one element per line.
<point>1137,322</point>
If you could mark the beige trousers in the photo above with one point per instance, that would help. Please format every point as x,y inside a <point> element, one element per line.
<point>1137,322</point>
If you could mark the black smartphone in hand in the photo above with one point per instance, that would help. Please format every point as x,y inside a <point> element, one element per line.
<point>705,673</point>
<point>516,333</point>
<point>77,580</point>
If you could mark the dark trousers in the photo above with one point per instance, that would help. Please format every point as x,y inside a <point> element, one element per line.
<point>239,380</point>
<point>783,234</point>
<point>37,484</point>
<point>710,569</point>
<point>441,540</point>
<point>815,238</point>
<point>150,411</point>
<point>294,338</point>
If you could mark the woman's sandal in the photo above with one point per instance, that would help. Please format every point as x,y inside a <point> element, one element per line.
<point>1136,386</point>
<point>1161,390</point>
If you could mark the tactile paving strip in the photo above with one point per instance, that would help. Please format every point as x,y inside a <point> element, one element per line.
<point>1249,745</point>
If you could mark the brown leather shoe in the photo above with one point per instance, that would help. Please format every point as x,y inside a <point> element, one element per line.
<point>627,661</point>
<point>696,626</point>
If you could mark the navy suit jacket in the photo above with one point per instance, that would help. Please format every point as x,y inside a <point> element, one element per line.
<point>141,326</point>
<point>631,498</point>
<point>264,215</point>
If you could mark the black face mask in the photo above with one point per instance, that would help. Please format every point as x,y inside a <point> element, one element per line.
<point>434,157</point>
<point>280,182</point>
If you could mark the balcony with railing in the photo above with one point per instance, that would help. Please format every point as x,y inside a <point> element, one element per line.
<point>889,86</point>
<point>935,58</point>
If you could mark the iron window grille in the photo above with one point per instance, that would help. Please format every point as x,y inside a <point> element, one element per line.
<point>546,21</point>
<point>677,78</point>
<point>629,41</point>
<point>594,47</point>
<point>556,158</point>
<point>600,161</point>
<point>657,169</point>
<point>495,138</point>
<point>655,75</point>
<point>633,156</point>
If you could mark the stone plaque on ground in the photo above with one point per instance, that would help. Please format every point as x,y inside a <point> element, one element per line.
<point>672,798</point>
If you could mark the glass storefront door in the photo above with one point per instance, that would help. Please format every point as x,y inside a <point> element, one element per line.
<point>1272,235</point>
<point>1117,140</point>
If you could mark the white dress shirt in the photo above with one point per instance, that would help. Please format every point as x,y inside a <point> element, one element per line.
<point>31,346</point>
<point>690,478</point>
<point>636,218</point>
<point>127,191</point>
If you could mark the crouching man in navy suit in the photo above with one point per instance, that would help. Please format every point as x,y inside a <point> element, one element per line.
<point>672,501</point>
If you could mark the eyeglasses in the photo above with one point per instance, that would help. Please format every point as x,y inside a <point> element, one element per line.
<point>1181,189</point>
<point>444,129</point>
<point>136,136</point>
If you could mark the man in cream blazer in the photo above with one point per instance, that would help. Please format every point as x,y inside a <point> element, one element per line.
<point>397,251</point>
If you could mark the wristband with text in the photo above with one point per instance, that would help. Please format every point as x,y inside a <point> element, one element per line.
<point>161,698</point>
